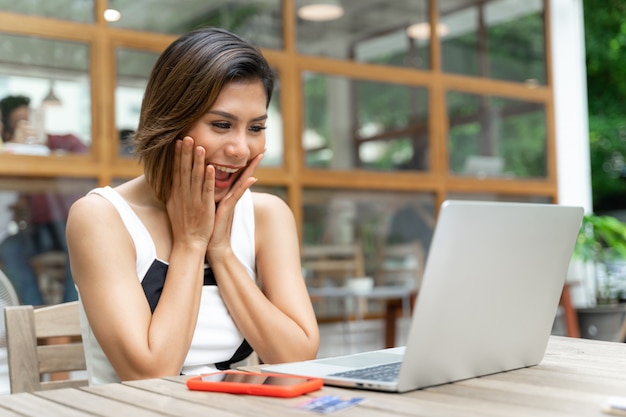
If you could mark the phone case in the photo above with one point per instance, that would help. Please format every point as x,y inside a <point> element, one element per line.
<point>282,386</point>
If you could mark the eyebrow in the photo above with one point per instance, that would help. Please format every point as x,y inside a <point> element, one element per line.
<point>235,118</point>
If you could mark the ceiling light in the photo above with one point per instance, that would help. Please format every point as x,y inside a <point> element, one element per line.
<point>321,10</point>
<point>112,15</point>
<point>422,30</point>
<point>51,98</point>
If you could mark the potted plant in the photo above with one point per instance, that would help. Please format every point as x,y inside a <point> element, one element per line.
<point>601,247</point>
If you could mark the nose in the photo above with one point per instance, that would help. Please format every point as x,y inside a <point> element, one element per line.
<point>237,146</point>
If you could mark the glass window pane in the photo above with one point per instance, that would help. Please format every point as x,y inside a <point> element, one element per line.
<point>33,250</point>
<point>367,31</point>
<point>373,218</point>
<point>502,39</point>
<point>364,124</point>
<point>133,70</point>
<point>496,137</point>
<point>274,133</point>
<point>74,10</point>
<point>260,21</point>
<point>46,93</point>
<point>499,197</point>
<point>375,224</point>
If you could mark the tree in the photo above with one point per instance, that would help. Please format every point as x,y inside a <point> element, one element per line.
<point>605,39</point>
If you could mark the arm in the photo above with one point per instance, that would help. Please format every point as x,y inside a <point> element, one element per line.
<point>277,319</point>
<point>137,343</point>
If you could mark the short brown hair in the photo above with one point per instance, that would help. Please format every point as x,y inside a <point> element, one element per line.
<point>7,105</point>
<point>185,82</point>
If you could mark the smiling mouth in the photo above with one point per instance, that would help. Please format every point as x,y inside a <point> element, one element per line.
<point>224,173</point>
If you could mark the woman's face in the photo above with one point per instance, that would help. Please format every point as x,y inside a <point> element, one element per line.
<point>15,117</point>
<point>232,132</point>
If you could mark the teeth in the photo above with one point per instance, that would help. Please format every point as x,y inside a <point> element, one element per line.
<point>224,169</point>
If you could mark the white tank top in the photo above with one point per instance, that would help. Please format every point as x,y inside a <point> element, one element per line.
<point>216,342</point>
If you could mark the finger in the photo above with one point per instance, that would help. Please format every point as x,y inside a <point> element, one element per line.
<point>227,204</point>
<point>198,170</point>
<point>186,163</point>
<point>208,192</point>
<point>246,179</point>
<point>187,154</point>
<point>178,148</point>
<point>254,163</point>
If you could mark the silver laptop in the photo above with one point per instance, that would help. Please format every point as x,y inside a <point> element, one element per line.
<point>487,304</point>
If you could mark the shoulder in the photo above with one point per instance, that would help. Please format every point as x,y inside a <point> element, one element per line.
<point>88,203</point>
<point>275,228</point>
<point>271,214</point>
<point>266,204</point>
<point>92,210</point>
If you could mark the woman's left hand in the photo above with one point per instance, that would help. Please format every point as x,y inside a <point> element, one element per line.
<point>220,239</point>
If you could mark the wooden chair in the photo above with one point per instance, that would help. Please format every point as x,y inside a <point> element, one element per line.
<point>332,262</point>
<point>401,264</point>
<point>41,343</point>
<point>570,317</point>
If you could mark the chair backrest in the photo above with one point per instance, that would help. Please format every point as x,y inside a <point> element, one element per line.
<point>401,264</point>
<point>334,262</point>
<point>8,297</point>
<point>43,345</point>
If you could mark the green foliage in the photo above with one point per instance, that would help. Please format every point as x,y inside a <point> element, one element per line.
<point>607,148</point>
<point>601,239</point>
<point>602,242</point>
<point>605,42</point>
<point>605,39</point>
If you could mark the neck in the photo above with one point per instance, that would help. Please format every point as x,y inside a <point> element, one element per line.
<point>143,193</point>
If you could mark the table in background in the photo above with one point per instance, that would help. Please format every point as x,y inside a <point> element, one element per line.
<point>576,378</point>
<point>399,301</point>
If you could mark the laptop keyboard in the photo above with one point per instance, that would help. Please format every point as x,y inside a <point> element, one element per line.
<point>387,372</point>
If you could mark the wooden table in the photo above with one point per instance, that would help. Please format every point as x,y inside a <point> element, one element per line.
<point>576,378</point>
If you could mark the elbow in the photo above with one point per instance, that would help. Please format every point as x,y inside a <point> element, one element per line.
<point>135,367</point>
<point>311,349</point>
<point>296,350</point>
<point>312,345</point>
<point>136,374</point>
<point>304,351</point>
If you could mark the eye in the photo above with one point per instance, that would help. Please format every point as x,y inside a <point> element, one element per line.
<point>257,128</point>
<point>221,125</point>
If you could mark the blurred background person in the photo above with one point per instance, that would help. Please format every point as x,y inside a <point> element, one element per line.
<point>18,128</point>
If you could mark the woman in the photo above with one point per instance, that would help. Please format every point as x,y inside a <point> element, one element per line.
<point>149,256</point>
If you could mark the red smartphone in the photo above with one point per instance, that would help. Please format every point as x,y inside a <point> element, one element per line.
<point>238,382</point>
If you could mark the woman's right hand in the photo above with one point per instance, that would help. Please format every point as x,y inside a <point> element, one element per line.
<point>191,205</point>
<point>25,133</point>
